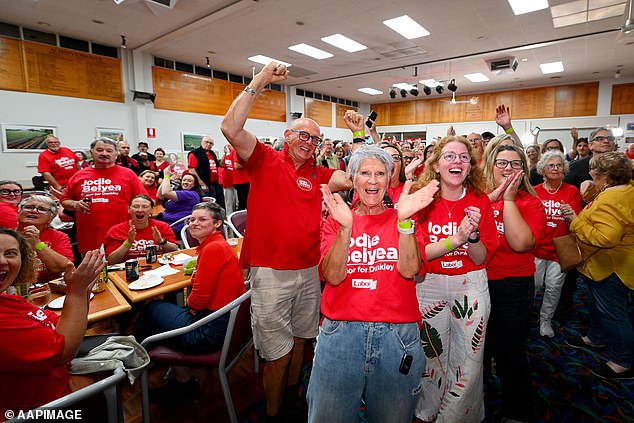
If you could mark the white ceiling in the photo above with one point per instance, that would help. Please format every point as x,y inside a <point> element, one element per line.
<point>464,34</point>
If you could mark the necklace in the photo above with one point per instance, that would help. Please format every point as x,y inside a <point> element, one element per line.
<point>449,210</point>
<point>552,192</point>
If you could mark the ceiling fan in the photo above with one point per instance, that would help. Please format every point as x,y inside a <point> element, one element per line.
<point>627,30</point>
<point>473,100</point>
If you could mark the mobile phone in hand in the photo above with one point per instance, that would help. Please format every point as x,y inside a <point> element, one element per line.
<point>371,118</point>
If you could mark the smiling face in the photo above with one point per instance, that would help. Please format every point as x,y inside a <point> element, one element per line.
<point>370,182</point>
<point>301,151</point>
<point>13,194</point>
<point>554,171</point>
<point>500,175</point>
<point>202,224</point>
<point>159,155</point>
<point>10,260</point>
<point>148,179</point>
<point>36,213</point>
<point>583,148</point>
<point>52,143</point>
<point>397,159</point>
<point>188,182</point>
<point>451,167</point>
<point>140,210</point>
<point>532,153</point>
<point>603,142</point>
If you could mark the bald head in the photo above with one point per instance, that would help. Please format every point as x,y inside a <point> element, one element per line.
<point>124,148</point>
<point>207,143</point>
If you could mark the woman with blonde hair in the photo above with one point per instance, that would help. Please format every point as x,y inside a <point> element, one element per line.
<point>459,238</point>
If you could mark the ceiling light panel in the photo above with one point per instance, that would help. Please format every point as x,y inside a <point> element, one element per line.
<point>476,77</point>
<point>311,51</point>
<point>552,67</point>
<point>430,83</point>
<point>526,6</point>
<point>344,43</point>
<point>370,91</point>
<point>266,60</point>
<point>404,86</point>
<point>407,27</point>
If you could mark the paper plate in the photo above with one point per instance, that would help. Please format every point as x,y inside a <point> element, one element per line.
<point>146,282</point>
<point>58,303</point>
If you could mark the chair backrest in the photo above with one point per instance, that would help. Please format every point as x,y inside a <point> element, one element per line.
<point>237,221</point>
<point>39,183</point>
<point>209,200</point>
<point>188,240</point>
<point>240,334</point>
<point>179,221</point>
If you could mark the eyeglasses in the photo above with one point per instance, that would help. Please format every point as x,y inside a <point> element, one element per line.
<point>553,166</point>
<point>5,191</point>
<point>450,156</point>
<point>396,157</point>
<point>515,164</point>
<point>306,137</point>
<point>408,158</point>
<point>39,209</point>
<point>201,220</point>
<point>602,138</point>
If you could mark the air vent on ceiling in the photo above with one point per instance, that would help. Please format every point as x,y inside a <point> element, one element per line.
<point>503,65</point>
<point>297,72</point>
<point>401,49</point>
<point>165,3</point>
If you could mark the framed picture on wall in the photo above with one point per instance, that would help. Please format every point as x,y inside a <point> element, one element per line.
<point>25,138</point>
<point>191,141</point>
<point>114,133</point>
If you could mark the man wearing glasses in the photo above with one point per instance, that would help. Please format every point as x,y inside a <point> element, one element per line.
<point>601,141</point>
<point>281,244</point>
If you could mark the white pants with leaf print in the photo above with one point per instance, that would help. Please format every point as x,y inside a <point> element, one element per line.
<point>455,312</point>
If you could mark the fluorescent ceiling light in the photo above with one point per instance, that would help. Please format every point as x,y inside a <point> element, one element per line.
<point>344,43</point>
<point>476,77</point>
<point>617,132</point>
<point>431,83</point>
<point>266,60</point>
<point>526,6</point>
<point>370,91</point>
<point>552,67</point>
<point>407,27</point>
<point>311,51</point>
<point>404,86</point>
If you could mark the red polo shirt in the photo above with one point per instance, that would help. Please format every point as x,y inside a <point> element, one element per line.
<point>284,211</point>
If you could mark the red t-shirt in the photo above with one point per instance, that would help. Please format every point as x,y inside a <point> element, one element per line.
<point>192,161</point>
<point>556,225</point>
<point>218,278</point>
<point>62,165</point>
<point>110,191</point>
<point>240,175</point>
<point>374,290</point>
<point>60,243</point>
<point>119,233</point>
<point>8,215</point>
<point>162,166</point>
<point>227,172</point>
<point>284,211</point>
<point>30,349</point>
<point>152,192</point>
<point>436,225</point>
<point>506,262</point>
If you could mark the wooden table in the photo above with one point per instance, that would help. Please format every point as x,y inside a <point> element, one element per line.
<point>170,283</point>
<point>105,304</point>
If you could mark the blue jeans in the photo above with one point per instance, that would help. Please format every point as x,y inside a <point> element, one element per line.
<point>161,316</point>
<point>359,361</point>
<point>609,320</point>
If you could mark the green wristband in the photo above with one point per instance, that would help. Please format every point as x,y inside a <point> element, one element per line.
<point>448,245</point>
<point>126,243</point>
<point>40,246</point>
<point>358,134</point>
<point>508,131</point>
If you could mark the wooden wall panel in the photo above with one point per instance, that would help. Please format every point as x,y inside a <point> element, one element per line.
<point>622,99</point>
<point>576,100</point>
<point>11,65</point>
<point>563,101</point>
<point>319,111</point>
<point>340,110</point>
<point>60,71</point>
<point>187,92</point>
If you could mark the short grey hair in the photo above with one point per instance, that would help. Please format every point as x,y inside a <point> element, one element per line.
<point>43,199</point>
<point>370,152</point>
<point>549,155</point>
<point>105,140</point>
<point>596,131</point>
<point>216,210</point>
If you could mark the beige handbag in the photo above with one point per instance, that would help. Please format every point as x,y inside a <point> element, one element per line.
<point>572,253</point>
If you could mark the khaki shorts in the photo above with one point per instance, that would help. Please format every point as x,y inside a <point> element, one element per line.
<point>284,304</point>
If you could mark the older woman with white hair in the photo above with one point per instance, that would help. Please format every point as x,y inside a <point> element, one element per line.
<point>52,248</point>
<point>553,192</point>
<point>369,347</point>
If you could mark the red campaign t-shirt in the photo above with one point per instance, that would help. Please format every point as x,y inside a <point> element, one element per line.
<point>506,262</point>
<point>192,161</point>
<point>119,233</point>
<point>60,243</point>
<point>284,211</point>
<point>110,191</point>
<point>374,290</point>
<point>62,165</point>
<point>227,173</point>
<point>217,279</point>
<point>556,225</point>
<point>152,192</point>
<point>162,166</point>
<point>240,176</point>
<point>30,349</point>
<point>8,215</point>
<point>436,225</point>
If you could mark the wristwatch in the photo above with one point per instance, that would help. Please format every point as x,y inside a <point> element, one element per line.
<point>476,239</point>
<point>164,241</point>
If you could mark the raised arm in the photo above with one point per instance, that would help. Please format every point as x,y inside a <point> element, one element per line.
<point>232,125</point>
<point>165,191</point>
<point>503,118</point>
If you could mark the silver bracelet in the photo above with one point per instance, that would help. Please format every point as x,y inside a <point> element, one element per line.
<point>249,90</point>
